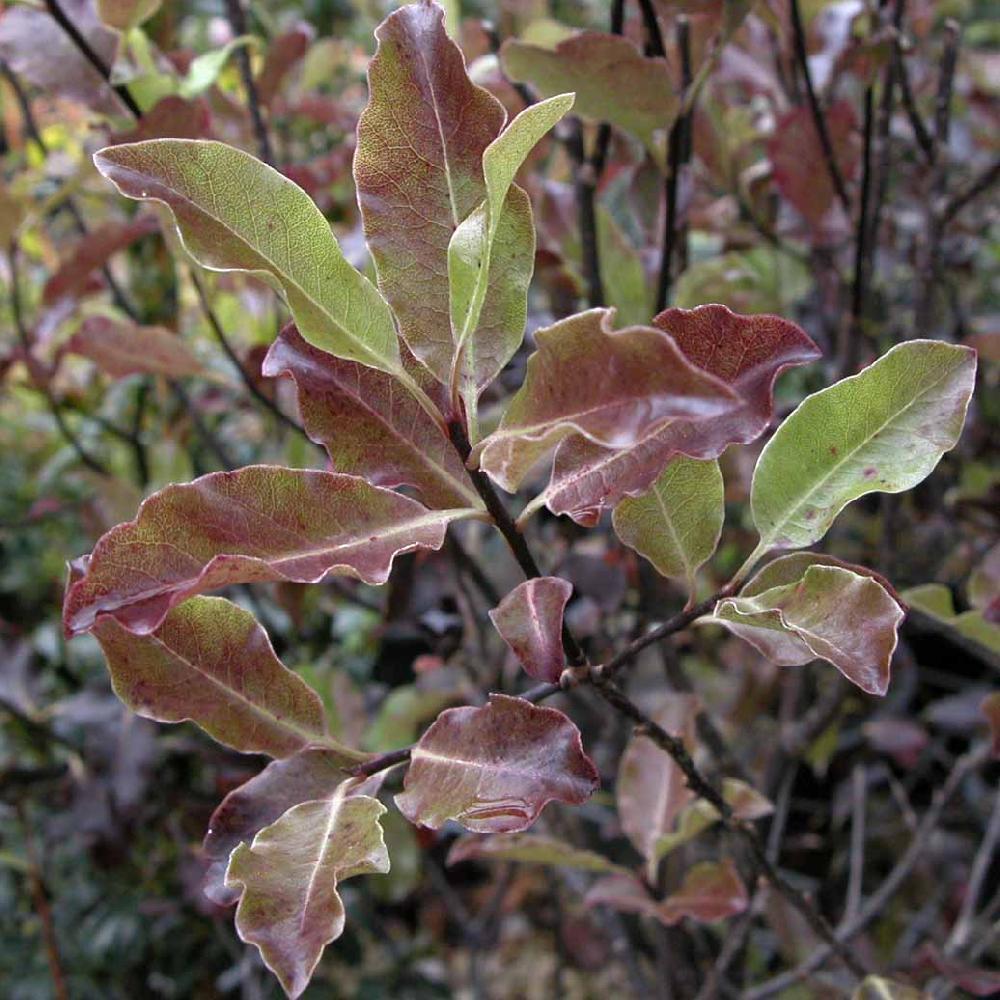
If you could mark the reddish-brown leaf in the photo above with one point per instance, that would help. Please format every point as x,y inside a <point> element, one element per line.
<point>92,252</point>
<point>530,620</point>
<point>171,117</point>
<point>418,170</point>
<point>255,524</point>
<point>748,353</point>
<point>282,54</point>
<point>313,773</point>
<point>612,387</point>
<point>712,890</point>
<point>121,348</point>
<point>370,423</point>
<point>209,662</point>
<point>493,769</point>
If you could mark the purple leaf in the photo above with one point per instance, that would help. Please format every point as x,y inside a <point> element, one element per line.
<point>530,620</point>
<point>493,769</point>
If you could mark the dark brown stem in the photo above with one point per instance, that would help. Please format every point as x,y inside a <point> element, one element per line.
<point>819,118</point>
<point>41,385</point>
<point>977,186</point>
<point>676,149</point>
<point>920,133</point>
<point>230,352</point>
<point>585,189</point>
<point>382,762</point>
<point>238,22</point>
<point>213,444</point>
<point>88,53</point>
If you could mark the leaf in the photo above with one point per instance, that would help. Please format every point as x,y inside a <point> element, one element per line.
<point>403,713</point>
<point>651,789</point>
<point>12,215</point>
<point>622,272</point>
<point>747,804</point>
<point>126,14</point>
<point>799,163</point>
<point>484,344</point>
<point>290,908</point>
<point>678,523</point>
<point>170,118</point>
<point>880,988</point>
<point>612,387</point>
<point>528,848</point>
<point>91,253</point>
<point>313,773</point>
<point>209,662</point>
<point>370,424</point>
<point>234,213</point>
<point>283,52</point>
<point>612,80</point>
<point>530,621</point>
<point>831,613</point>
<point>882,430</point>
<point>748,353</point>
<point>711,890</point>
<point>935,599</point>
<point>205,68</point>
<point>418,170</point>
<point>121,348</point>
<point>493,769</point>
<point>255,524</point>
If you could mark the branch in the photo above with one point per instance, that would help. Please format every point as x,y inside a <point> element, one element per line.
<point>238,21</point>
<point>819,119</point>
<point>88,53</point>
<point>878,900</point>
<point>977,186</point>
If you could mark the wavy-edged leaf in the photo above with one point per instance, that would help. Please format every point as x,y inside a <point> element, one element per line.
<point>121,347</point>
<point>211,663</point>
<point>613,81</point>
<point>882,430</point>
<point>259,523</point>
<point>289,907</point>
<point>313,773</point>
<point>748,353</point>
<point>493,769</point>
<point>652,789</point>
<point>747,804</point>
<point>489,291</point>
<point>831,613</point>
<point>92,252</point>
<point>370,424</point>
<point>530,621</point>
<point>612,387</point>
<point>235,213</point>
<point>418,170</point>
<point>530,849</point>
<point>677,524</point>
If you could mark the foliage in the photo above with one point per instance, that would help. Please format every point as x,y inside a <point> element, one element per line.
<point>291,342</point>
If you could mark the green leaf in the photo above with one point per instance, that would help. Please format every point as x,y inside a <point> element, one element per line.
<point>882,430</point>
<point>470,256</point>
<point>211,663</point>
<point>676,525</point>
<point>531,849</point>
<point>235,213</point>
<point>205,69</point>
<point>290,908</point>
<point>831,613</point>
<point>125,14</point>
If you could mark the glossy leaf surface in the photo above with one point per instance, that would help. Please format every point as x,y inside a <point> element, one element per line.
<point>370,424</point>
<point>676,525</point>
<point>530,620</point>
<point>611,387</point>
<point>235,213</point>
<point>418,170</point>
<point>289,907</point>
<point>313,773</point>
<point>121,348</point>
<point>493,769</point>
<point>258,523</point>
<point>211,663</point>
<point>882,430</point>
<point>831,613</point>
<point>747,353</point>
<point>613,81</point>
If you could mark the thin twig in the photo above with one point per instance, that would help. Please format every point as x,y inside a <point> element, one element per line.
<point>238,22</point>
<point>819,118</point>
<point>879,899</point>
<point>977,186</point>
<point>86,50</point>
<point>859,798</point>
<point>585,189</point>
<point>920,133</point>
